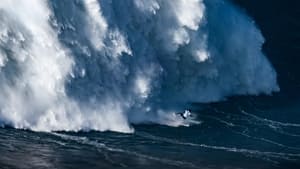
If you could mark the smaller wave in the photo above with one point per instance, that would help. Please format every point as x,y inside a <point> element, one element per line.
<point>231,127</point>
<point>285,156</point>
<point>86,141</point>
<point>266,140</point>
<point>274,125</point>
<point>270,122</point>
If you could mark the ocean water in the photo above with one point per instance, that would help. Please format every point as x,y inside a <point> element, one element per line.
<point>97,83</point>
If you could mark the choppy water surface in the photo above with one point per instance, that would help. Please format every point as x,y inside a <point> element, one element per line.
<point>232,135</point>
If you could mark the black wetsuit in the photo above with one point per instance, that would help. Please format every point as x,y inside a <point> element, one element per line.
<point>182,115</point>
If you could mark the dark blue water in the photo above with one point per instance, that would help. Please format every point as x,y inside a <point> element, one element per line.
<point>240,132</point>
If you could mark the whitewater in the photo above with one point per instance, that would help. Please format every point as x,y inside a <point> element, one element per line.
<point>107,64</point>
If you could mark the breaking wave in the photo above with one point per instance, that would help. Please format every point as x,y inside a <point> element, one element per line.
<point>103,65</point>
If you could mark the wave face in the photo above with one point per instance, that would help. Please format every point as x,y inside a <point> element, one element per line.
<point>103,65</point>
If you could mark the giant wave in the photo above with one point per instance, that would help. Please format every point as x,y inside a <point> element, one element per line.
<point>103,65</point>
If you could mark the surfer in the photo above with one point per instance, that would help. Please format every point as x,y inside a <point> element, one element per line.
<point>185,114</point>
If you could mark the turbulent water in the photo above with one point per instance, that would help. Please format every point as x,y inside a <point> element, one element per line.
<point>126,66</point>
